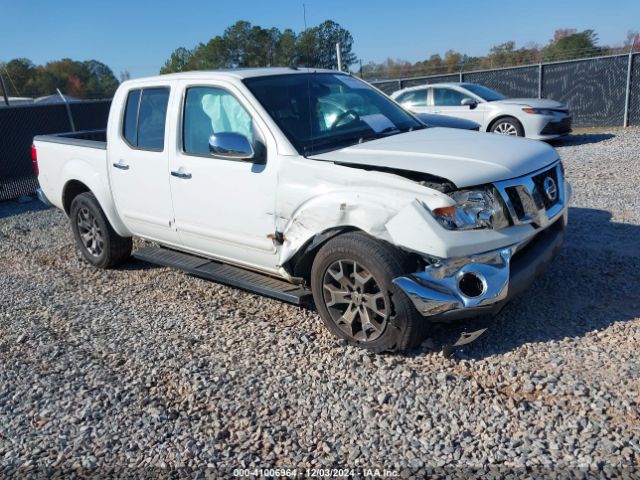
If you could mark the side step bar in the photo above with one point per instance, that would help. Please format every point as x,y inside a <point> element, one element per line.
<point>226,274</point>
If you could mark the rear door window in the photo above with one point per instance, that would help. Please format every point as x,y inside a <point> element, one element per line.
<point>145,118</point>
<point>413,98</point>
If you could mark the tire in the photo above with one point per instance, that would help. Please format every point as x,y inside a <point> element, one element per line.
<point>99,244</point>
<point>401,327</point>
<point>508,126</point>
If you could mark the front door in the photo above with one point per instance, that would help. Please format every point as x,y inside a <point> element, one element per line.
<point>448,101</point>
<point>223,208</point>
<point>138,165</point>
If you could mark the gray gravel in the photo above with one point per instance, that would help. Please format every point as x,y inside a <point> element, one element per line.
<point>145,370</point>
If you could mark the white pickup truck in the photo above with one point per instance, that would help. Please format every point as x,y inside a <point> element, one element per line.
<point>295,183</point>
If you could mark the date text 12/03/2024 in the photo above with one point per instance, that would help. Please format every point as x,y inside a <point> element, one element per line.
<point>316,472</point>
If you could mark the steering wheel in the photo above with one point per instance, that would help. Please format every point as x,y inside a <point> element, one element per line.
<point>342,116</point>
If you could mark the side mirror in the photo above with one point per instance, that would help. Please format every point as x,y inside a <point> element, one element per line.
<point>469,102</point>
<point>230,146</point>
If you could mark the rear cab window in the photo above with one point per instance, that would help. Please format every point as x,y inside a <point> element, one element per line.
<point>145,118</point>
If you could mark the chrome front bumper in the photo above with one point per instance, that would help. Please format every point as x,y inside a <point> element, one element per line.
<point>501,274</point>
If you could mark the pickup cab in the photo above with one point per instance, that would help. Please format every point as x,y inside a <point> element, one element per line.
<point>308,184</point>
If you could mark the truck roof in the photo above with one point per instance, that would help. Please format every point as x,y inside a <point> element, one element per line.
<point>236,73</point>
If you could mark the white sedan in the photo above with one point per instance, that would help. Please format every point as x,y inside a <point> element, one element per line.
<point>535,118</point>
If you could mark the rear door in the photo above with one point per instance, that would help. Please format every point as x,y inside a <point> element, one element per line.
<point>138,164</point>
<point>414,100</point>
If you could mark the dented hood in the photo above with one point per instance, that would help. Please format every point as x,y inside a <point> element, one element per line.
<point>463,157</point>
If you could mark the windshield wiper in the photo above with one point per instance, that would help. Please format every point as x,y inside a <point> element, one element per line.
<point>387,132</point>
<point>331,143</point>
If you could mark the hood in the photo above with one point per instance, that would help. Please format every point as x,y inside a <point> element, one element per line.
<point>465,158</point>
<point>437,120</point>
<point>533,103</point>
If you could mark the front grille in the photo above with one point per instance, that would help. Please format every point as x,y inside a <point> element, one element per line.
<point>552,128</point>
<point>538,180</point>
<point>515,201</point>
<point>527,199</point>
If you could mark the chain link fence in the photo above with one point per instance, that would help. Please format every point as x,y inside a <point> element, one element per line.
<point>598,90</point>
<point>22,122</point>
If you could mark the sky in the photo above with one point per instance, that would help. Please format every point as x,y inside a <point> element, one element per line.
<point>139,36</point>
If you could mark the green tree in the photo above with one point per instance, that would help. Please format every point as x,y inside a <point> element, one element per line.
<point>20,75</point>
<point>285,54</point>
<point>89,79</point>
<point>178,61</point>
<point>317,46</point>
<point>101,82</point>
<point>246,45</point>
<point>573,45</point>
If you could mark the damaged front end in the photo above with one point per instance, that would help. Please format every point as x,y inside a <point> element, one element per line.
<point>460,283</point>
<point>474,285</point>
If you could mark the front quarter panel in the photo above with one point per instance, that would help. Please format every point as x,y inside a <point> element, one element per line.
<point>316,196</point>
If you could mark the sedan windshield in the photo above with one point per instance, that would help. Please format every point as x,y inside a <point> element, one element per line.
<point>319,112</point>
<point>485,93</point>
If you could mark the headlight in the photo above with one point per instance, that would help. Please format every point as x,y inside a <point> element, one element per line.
<point>474,209</point>
<point>539,111</point>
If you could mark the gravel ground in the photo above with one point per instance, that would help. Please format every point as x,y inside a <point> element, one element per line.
<point>147,371</point>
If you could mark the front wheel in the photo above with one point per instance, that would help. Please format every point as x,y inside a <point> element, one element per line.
<point>99,244</point>
<point>352,286</point>
<point>508,126</point>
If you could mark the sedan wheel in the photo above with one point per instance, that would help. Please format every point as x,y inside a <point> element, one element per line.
<point>506,128</point>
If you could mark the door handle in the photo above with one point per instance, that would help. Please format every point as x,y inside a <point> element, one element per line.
<point>179,174</point>
<point>121,165</point>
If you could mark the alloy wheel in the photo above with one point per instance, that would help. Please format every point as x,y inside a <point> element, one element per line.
<point>355,301</point>
<point>90,232</point>
<point>506,128</point>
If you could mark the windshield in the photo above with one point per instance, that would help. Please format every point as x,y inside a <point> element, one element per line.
<point>485,93</point>
<point>324,111</point>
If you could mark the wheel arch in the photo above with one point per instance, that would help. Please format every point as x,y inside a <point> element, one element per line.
<point>74,186</point>
<point>71,190</point>
<point>300,264</point>
<point>505,116</point>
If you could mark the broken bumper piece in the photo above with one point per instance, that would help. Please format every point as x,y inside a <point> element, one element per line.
<point>481,284</point>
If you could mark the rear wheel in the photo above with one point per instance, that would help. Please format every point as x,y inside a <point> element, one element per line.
<point>508,126</point>
<point>351,279</point>
<point>99,244</point>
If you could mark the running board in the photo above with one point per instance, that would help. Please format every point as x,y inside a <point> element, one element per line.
<point>226,274</point>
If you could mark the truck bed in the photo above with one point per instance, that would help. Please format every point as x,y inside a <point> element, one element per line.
<point>85,138</point>
<point>77,156</point>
